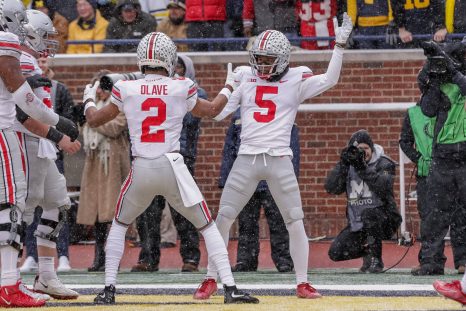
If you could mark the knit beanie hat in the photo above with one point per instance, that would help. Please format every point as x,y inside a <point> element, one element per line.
<point>361,137</point>
<point>93,3</point>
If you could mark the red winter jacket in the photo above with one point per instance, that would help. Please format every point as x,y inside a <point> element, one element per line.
<point>205,10</point>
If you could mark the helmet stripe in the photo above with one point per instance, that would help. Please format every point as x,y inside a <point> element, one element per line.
<point>150,51</point>
<point>263,42</point>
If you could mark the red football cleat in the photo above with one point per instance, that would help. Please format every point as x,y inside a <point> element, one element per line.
<point>206,289</point>
<point>13,296</point>
<point>451,290</point>
<point>305,290</point>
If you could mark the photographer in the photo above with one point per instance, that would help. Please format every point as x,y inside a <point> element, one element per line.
<point>367,176</point>
<point>443,98</point>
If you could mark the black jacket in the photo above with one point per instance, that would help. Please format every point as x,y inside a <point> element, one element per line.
<point>118,29</point>
<point>379,178</point>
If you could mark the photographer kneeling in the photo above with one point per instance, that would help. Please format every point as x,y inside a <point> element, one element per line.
<point>367,176</point>
<point>443,97</point>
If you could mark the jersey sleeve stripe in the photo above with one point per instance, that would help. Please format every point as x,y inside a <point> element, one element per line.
<point>9,45</point>
<point>116,93</point>
<point>192,90</point>
<point>306,75</point>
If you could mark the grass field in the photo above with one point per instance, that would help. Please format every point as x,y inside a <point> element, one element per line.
<point>343,289</point>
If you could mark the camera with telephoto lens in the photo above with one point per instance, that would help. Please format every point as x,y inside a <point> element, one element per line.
<point>438,56</point>
<point>354,153</point>
<point>107,81</point>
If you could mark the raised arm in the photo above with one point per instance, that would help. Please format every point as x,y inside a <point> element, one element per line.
<point>97,117</point>
<point>315,85</point>
<point>210,109</point>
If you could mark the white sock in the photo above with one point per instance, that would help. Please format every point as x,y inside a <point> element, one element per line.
<point>47,268</point>
<point>463,284</point>
<point>218,255</point>
<point>299,249</point>
<point>114,251</point>
<point>223,226</point>
<point>10,272</point>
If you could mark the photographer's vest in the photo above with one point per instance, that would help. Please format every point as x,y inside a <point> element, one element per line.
<point>360,198</point>
<point>423,130</point>
<point>454,129</point>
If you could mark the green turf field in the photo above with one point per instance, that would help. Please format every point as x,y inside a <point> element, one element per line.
<point>343,289</point>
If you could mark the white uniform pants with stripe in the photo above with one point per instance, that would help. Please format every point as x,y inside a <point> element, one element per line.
<point>151,177</point>
<point>12,181</point>
<point>46,186</point>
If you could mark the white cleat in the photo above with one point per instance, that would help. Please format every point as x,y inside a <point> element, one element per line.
<point>63,264</point>
<point>54,288</point>
<point>29,265</point>
<point>37,296</point>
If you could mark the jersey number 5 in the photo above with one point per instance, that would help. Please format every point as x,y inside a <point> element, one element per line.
<point>157,136</point>
<point>261,90</point>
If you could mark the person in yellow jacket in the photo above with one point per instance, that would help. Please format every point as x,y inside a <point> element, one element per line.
<point>370,18</point>
<point>455,10</point>
<point>90,25</point>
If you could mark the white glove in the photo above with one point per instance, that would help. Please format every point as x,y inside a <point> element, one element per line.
<point>89,91</point>
<point>231,81</point>
<point>342,33</point>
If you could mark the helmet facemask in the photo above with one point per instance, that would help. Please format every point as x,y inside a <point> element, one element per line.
<point>272,44</point>
<point>40,34</point>
<point>263,69</point>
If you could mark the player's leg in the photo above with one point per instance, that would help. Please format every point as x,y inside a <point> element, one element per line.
<point>199,215</point>
<point>12,195</point>
<point>285,191</point>
<point>56,204</point>
<point>239,188</point>
<point>247,252</point>
<point>136,193</point>
<point>279,237</point>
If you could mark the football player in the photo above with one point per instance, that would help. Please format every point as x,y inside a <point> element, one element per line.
<point>46,186</point>
<point>155,107</point>
<point>14,90</point>
<point>269,96</point>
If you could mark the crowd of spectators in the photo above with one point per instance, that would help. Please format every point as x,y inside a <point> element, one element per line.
<point>378,24</point>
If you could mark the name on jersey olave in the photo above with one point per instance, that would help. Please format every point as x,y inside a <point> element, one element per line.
<point>156,89</point>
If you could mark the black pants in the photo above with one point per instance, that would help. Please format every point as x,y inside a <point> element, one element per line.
<point>148,225</point>
<point>248,240</point>
<point>209,29</point>
<point>350,245</point>
<point>445,207</point>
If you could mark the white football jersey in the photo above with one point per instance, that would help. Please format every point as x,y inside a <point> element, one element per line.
<point>30,67</point>
<point>9,46</point>
<point>154,108</point>
<point>268,109</point>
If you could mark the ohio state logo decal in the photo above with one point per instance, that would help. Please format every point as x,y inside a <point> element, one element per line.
<point>29,97</point>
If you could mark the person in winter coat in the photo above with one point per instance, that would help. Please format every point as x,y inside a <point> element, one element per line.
<point>174,25</point>
<point>129,22</point>
<point>367,177</point>
<point>105,168</point>
<point>89,25</point>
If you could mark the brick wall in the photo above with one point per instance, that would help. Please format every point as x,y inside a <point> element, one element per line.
<point>367,77</point>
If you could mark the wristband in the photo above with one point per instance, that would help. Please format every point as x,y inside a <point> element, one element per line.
<point>340,45</point>
<point>226,92</point>
<point>89,105</point>
<point>54,135</point>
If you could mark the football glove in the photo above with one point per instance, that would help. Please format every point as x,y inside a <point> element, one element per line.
<point>343,32</point>
<point>90,91</point>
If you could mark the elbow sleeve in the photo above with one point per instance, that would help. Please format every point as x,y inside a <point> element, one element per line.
<point>33,106</point>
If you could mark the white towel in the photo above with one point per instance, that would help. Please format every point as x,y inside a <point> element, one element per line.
<point>47,149</point>
<point>190,193</point>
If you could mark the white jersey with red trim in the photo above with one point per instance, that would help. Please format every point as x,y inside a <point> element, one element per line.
<point>9,46</point>
<point>268,109</point>
<point>30,67</point>
<point>155,107</point>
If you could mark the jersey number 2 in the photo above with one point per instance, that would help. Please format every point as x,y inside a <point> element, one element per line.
<point>157,136</point>
<point>261,90</point>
